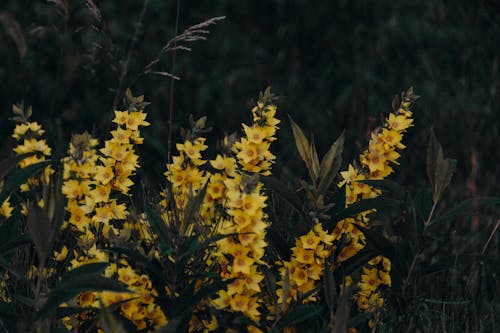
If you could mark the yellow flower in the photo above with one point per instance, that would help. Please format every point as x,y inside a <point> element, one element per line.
<point>100,193</point>
<point>33,145</point>
<point>392,138</point>
<point>227,164</point>
<point>136,119</point>
<point>6,209</point>
<point>104,174</point>
<point>242,264</point>
<point>130,308</point>
<point>114,150</point>
<point>303,256</point>
<point>241,218</point>
<point>223,301</point>
<point>121,136</point>
<point>239,302</point>
<point>103,214</point>
<point>86,299</point>
<point>127,275</point>
<point>298,276</point>
<point>255,134</point>
<point>248,151</point>
<point>60,256</point>
<point>369,280</point>
<point>399,122</point>
<point>122,184</point>
<point>310,240</point>
<point>78,218</point>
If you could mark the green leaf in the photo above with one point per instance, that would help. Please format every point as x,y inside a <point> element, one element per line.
<point>361,206</point>
<point>88,269</point>
<point>284,192</point>
<point>354,263</point>
<point>439,170</point>
<point>298,315</point>
<point>67,289</point>
<point>378,242</point>
<point>343,311</point>
<point>20,177</point>
<point>466,207</point>
<point>192,209</point>
<point>14,244</point>
<point>386,185</point>
<point>279,243</point>
<point>329,287</point>
<point>330,164</point>
<point>7,165</point>
<point>109,324</point>
<point>39,230</point>
<point>152,266</point>
<point>159,227</point>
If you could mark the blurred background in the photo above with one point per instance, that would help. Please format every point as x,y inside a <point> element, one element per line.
<point>335,65</point>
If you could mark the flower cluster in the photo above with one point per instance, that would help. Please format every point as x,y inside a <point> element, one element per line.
<point>308,255</point>
<point>375,164</point>
<point>240,255</point>
<point>93,181</point>
<point>28,135</point>
<point>252,150</point>
<point>140,308</point>
<point>305,268</point>
<point>184,173</point>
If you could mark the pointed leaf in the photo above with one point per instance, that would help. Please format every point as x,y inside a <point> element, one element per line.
<point>298,315</point>
<point>343,311</point>
<point>20,177</point>
<point>39,230</point>
<point>439,170</point>
<point>158,226</point>
<point>7,165</point>
<point>330,164</point>
<point>466,207</point>
<point>284,192</point>
<point>386,185</point>
<point>303,147</point>
<point>314,158</point>
<point>109,324</point>
<point>361,206</point>
<point>14,244</point>
<point>193,209</point>
<point>66,290</point>
<point>95,268</point>
<point>354,263</point>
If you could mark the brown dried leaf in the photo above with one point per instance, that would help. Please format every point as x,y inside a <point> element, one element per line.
<point>330,164</point>
<point>303,147</point>
<point>439,170</point>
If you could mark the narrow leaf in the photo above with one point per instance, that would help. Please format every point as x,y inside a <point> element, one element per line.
<point>313,156</point>
<point>386,185</point>
<point>285,192</point>
<point>439,170</point>
<point>20,177</point>
<point>158,225</point>
<point>39,231</point>
<point>330,164</point>
<point>303,147</point>
<point>361,206</point>
<point>193,209</point>
<point>7,165</point>
<point>298,315</point>
<point>66,290</point>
